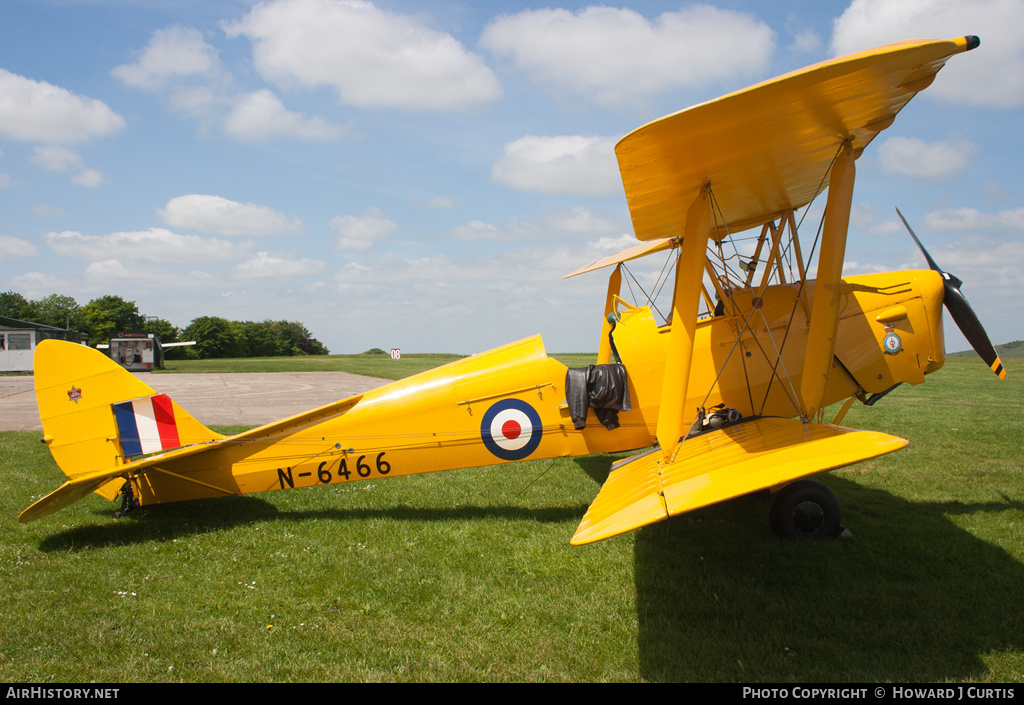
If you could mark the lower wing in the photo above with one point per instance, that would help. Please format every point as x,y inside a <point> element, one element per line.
<point>745,457</point>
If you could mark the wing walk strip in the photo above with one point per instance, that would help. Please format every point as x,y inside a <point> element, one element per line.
<point>719,465</point>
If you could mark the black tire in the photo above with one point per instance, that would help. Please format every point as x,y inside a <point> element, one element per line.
<point>805,510</point>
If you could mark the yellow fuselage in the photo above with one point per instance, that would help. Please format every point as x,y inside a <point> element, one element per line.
<point>509,403</point>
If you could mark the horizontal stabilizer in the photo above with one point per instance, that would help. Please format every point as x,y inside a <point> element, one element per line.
<point>81,485</point>
<point>748,456</point>
<point>68,493</point>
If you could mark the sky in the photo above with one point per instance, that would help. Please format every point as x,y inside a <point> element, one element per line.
<point>421,174</point>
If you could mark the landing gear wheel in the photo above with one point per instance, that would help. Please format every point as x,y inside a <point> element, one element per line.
<point>805,510</point>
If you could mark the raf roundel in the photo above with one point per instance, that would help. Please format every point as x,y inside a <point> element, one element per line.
<point>511,429</point>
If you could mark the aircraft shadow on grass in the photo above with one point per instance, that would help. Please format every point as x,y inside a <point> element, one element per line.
<point>911,598</point>
<point>180,519</point>
<point>162,523</point>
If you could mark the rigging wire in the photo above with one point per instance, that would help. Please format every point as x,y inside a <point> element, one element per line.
<point>746,324</point>
<point>656,289</point>
<point>803,281</point>
<point>664,272</point>
<point>716,207</point>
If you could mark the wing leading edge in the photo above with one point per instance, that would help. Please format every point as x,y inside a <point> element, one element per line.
<point>748,456</point>
<point>767,149</point>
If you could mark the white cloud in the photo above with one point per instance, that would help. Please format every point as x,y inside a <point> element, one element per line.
<point>36,111</point>
<point>992,272</point>
<point>419,281</point>
<point>265,266</point>
<point>978,252</point>
<point>404,302</point>
<point>114,270</point>
<point>371,57</point>
<point>518,231</point>
<point>196,101</point>
<point>213,214</point>
<point>146,277</point>
<point>171,52</point>
<point>442,203</point>
<point>575,164</point>
<point>609,245</point>
<point>359,233</point>
<point>5,179</point>
<point>90,178</point>
<point>475,231</point>
<point>616,56</point>
<point>806,41</point>
<point>61,159</point>
<point>994,191</point>
<point>153,245</point>
<point>55,158</point>
<point>993,281</point>
<point>186,71</point>
<point>973,219</point>
<point>46,211</point>
<point>261,116</point>
<point>930,161</point>
<point>887,226</point>
<point>864,217</point>
<point>552,226</point>
<point>177,54</point>
<point>851,269</point>
<point>16,247</point>
<point>991,75</point>
<point>408,300</point>
<point>34,285</point>
<point>578,219</point>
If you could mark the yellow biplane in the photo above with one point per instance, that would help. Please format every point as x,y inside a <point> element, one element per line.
<point>729,388</point>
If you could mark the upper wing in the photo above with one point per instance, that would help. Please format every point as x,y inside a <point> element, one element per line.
<point>718,465</point>
<point>767,149</point>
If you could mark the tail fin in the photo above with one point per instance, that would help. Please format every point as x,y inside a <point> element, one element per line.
<point>96,415</point>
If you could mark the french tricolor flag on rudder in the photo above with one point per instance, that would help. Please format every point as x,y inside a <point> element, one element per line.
<point>146,425</point>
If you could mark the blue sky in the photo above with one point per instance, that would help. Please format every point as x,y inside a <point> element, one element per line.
<point>421,174</point>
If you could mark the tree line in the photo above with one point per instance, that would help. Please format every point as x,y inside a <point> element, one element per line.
<point>105,316</point>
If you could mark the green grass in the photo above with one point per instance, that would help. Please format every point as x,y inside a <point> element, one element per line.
<point>468,575</point>
<point>381,366</point>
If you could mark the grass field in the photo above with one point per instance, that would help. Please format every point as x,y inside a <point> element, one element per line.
<point>468,575</point>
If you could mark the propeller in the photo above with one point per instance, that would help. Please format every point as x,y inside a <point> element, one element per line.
<point>961,311</point>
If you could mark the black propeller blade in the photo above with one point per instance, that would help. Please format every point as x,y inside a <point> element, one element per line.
<point>961,311</point>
